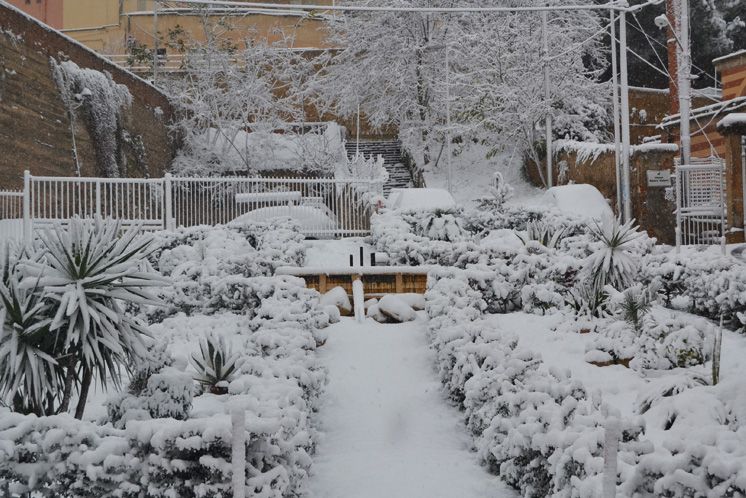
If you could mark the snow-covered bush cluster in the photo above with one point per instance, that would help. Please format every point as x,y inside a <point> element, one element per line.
<point>542,430</point>
<point>213,268</point>
<point>537,427</point>
<point>702,282</point>
<point>163,435</point>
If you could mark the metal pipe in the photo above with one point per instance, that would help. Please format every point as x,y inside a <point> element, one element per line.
<point>685,93</point>
<point>448,122</point>
<point>156,5</point>
<point>743,183</point>
<point>547,93</point>
<point>627,201</point>
<point>615,96</point>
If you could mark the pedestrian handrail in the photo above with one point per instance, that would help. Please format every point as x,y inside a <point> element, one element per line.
<point>322,207</point>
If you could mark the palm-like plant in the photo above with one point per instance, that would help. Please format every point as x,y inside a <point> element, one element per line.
<point>613,264</point>
<point>28,368</point>
<point>89,273</point>
<point>216,364</point>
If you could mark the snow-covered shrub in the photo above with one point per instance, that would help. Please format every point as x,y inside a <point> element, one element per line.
<point>587,300</point>
<point>63,457</point>
<point>167,393</point>
<point>615,339</point>
<point>541,298</point>
<point>671,341</point>
<point>216,364</point>
<point>704,282</point>
<point>439,225</point>
<point>537,427</point>
<point>213,268</point>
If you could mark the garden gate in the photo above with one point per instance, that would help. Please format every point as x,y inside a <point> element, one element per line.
<point>700,202</point>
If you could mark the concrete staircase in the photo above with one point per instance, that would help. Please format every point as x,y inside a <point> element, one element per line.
<point>399,175</point>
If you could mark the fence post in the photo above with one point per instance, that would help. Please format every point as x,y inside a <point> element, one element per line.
<point>27,225</point>
<point>168,187</point>
<point>611,448</point>
<point>238,454</point>
<point>98,198</point>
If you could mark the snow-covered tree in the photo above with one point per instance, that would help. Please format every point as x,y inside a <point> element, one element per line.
<point>392,65</point>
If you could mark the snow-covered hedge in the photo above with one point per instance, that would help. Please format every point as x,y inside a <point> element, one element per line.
<point>228,268</point>
<point>161,437</point>
<point>702,282</point>
<point>279,382</point>
<point>537,427</point>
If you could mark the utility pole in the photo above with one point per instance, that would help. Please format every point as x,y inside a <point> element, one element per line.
<point>155,41</point>
<point>448,121</point>
<point>615,96</point>
<point>547,93</point>
<point>684,75</point>
<point>626,197</point>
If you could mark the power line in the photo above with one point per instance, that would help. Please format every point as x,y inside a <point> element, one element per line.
<point>620,5</point>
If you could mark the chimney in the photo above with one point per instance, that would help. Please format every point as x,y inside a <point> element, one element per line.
<point>673,66</point>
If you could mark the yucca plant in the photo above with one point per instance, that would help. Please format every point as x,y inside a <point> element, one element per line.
<point>29,377</point>
<point>613,264</point>
<point>545,234</point>
<point>89,272</point>
<point>588,300</point>
<point>216,364</point>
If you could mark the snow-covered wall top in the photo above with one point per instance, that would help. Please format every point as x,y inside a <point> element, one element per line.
<point>590,152</point>
<point>737,120</point>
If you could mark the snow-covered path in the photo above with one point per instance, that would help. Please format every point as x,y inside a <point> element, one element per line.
<point>388,431</point>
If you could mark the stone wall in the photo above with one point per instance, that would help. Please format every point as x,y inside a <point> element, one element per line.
<point>36,132</point>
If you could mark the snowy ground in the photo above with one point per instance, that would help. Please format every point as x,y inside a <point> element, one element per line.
<point>472,175</point>
<point>388,430</point>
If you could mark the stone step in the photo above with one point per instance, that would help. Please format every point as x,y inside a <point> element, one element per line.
<point>390,151</point>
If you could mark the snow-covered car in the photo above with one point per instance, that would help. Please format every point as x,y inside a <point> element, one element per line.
<point>313,221</point>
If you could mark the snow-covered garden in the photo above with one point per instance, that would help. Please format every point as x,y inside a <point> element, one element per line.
<point>125,355</point>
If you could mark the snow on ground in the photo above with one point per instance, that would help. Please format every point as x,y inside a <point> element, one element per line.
<point>473,172</point>
<point>619,386</point>
<point>389,431</point>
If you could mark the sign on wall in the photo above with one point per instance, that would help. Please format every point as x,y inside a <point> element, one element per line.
<point>661,178</point>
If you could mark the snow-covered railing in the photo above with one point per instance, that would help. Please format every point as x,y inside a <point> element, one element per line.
<point>11,215</point>
<point>322,207</point>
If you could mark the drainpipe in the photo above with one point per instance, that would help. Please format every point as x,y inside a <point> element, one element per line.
<point>743,183</point>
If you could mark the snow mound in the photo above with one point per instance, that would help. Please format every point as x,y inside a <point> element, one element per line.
<point>396,308</point>
<point>581,199</point>
<point>409,199</point>
<point>337,297</point>
<point>414,300</point>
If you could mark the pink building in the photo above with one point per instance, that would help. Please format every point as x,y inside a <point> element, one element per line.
<point>47,11</point>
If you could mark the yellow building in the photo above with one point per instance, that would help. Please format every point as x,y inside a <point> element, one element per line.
<point>113,27</point>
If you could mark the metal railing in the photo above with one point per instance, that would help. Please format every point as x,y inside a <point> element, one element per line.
<point>322,207</point>
<point>700,202</point>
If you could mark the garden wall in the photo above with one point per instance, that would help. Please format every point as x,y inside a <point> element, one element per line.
<point>652,207</point>
<point>35,126</point>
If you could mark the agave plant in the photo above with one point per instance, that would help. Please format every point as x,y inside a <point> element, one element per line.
<point>613,264</point>
<point>441,225</point>
<point>89,273</point>
<point>216,364</point>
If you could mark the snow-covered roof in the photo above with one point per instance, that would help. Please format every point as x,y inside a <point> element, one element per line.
<point>727,106</point>
<point>736,119</point>
<point>727,57</point>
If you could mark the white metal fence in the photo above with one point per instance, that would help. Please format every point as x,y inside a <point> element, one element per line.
<point>322,207</point>
<point>11,215</point>
<point>700,202</point>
